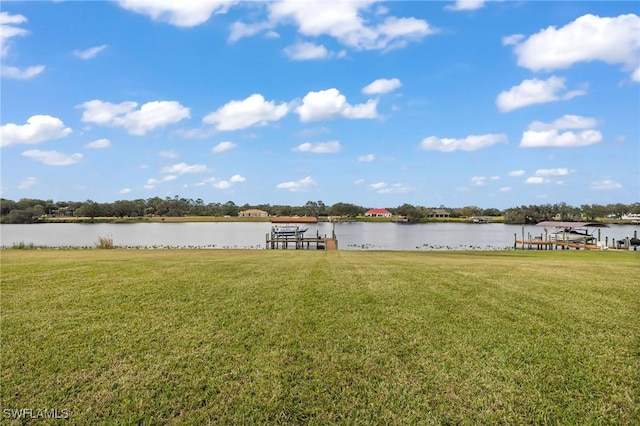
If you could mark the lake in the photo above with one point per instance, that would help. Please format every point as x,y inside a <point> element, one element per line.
<point>251,235</point>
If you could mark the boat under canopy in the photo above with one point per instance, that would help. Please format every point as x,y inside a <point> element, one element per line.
<point>572,232</point>
<point>569,225</point>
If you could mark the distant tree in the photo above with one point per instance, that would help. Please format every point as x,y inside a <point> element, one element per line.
<point>173,207</point>
<point>470,211</point>
<point>18,217</point>
<point>89,209</point>
<point>345,209</point>
<point>282,211</point>
<point>197,208</point>
<point>491,212</point>
<point>6,206</point>
<point>409,211</point>
<point>122,208</point>
<point>634,208</point>
<point>618,209</point>
<point>311,209</point>
<point>230,209</point>
<point>25,203</point>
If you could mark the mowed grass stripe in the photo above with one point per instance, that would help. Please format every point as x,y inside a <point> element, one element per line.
<point>282,336</point>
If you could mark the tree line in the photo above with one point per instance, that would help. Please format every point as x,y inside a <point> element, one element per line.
<point>29,210</point>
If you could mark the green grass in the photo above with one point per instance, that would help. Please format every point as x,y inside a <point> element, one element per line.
<point>320,337</point>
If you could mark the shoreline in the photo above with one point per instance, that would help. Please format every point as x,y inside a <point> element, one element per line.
<point>214,219</point>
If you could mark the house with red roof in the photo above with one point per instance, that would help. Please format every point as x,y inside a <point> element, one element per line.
<point>378,213</point>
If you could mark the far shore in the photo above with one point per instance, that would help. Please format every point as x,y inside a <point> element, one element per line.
<point>321,219</point>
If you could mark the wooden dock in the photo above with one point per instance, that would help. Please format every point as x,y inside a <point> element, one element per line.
<point>537,244</point>
<point>299,242</point>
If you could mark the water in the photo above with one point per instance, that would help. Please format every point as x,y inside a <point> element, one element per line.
<point>251,235</point>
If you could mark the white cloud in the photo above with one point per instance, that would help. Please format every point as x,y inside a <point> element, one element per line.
<point>251,111</point>
<point>319,148</point>
<point>39,128</point>
<point>298,185</point>
<point>98,144</point>
<point>461,5</point>
<point>90,52</point>
<point>271,35</point>
<point>605,185</point>
<point>330,103</point>
<point>152,183</point>
<point>152,115</point>
<point>366,158</point>
<point>567,121</point>
<point>149,116</point>
<point>184,168</point>
<point>28,183</point>
<point>105,113</point>
<point>470,143</point>
<point>240,30</point>
<point>53,158</point>
<point>553,138</point>
<point>305,51</point>
<point>384,188</point>
<point>168,154</point>
<point>15,73</point>
<point>178,13</point>
<point>536,180</point>
<point>7,18</point>
<point>358,182</point>
<point>222,147</point>
<point>381,86</point>
<point>222,183</point>
<point>124,191</point>
<point>8,30</point>
<point>512,40</point>
<point>635,76</point>
<point>531,92</point>
<point>552,172</point>
<point>517,173</point>
<point>540,134</point>
<point>613,40</point>
<point>478,180</point>
<point>505,189</point>
<point>344,21</point>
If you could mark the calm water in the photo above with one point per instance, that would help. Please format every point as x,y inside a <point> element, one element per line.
<point>351,236</point>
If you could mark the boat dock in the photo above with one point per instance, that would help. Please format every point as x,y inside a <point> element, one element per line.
<point>565,240</point>
<point>298,240</point>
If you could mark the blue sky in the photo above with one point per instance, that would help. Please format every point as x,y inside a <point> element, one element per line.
<point>488,104</point>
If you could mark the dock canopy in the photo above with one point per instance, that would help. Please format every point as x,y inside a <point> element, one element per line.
<point>557,224</point>
<point>294,219</point>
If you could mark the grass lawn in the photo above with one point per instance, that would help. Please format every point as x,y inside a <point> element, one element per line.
<point>321,337</point>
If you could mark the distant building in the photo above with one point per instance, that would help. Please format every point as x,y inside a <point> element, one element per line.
<point>253,213</point>
<point>378,213</point>
<point>438,213</point>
